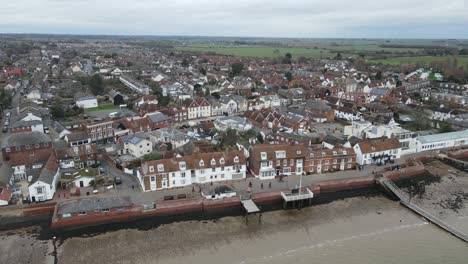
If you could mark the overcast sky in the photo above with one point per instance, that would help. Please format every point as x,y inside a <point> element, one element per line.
<point>262,18</point>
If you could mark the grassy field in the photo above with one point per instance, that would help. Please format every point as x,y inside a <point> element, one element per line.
<point>102,107</point>
<point>318,48</point>
<point>259,51</point>
<point>462,60</point>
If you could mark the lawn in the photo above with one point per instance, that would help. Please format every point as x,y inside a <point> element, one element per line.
<point>102,107</point>
<point>462,60</point>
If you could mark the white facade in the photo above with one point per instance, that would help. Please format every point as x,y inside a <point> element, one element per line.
<point>87,103</point>
<point>377,154</point>
<point>31,117</point>
<point>42,191</point>
<point>349,116</point>
<point>443,140</point>
<point>83,181</point>
<point>137,147</point>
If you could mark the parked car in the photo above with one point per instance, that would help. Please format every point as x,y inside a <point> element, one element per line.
<point>118,180</point>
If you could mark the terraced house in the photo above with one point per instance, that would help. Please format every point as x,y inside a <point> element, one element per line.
<point>269,161</point>
<point>329,160</point>
<point>186,170</point>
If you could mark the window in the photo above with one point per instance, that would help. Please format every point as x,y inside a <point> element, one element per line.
<point>298,152</point>
<point>213,169</point>
<point>311,163</point>
<point>28,147</point>
<point>323,154</point>
<point>18,148</point>
<point>263,155</point>
<point>291,162</point>
<point>213,162</point>
<point>202,163</point>
<point>278,162</point>
<point>334,153</point>
<point>350,159</point>
<point>285,162</point>
<point>182,165</point>
<point>151,168</point>
<point>182,174</point>
<point>221,160</point>
<point>345,152</point>
<point>335,161</point>
<point>39,190</point>
<point>160,167</point>
<point>327,162</point>
<point>8,149</point>
<point>281,154</point>
<point>236,159</point>
<point>153,178</point>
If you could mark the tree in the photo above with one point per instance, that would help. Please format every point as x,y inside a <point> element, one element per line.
<point>164,100</point>
<point>229,138</point>
<point>57,110</point>
<point>260,137</point>
<point>96,84</point>
<point>445,127</point>
<point>378,76</point>
<point>5,99</point>
<point>288,76</point>
<point>203,71</point>
<point>338,56</point>
<point>207,91</point>
<point>216,95</point>
<point>287,58</point>
<point>185,63</point>
<point>236,68</point>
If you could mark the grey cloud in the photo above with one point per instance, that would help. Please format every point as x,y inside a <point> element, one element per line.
<point>297,18</point>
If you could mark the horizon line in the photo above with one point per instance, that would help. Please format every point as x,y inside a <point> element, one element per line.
<point>220,36</point>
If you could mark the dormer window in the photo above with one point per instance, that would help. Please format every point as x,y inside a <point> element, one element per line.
<point>213,162</point>
<point>202,163</point>
<point>334,153</point>
<point>236,159</point>
<point>345,152</point>
<point>323,154</point>
<point>160,167</point>
<point>151,168</point>
<point>221,160</point>
<point>182,165</point>
<point>298,152</point>
<point>281,154</point>
<point>263,155</point>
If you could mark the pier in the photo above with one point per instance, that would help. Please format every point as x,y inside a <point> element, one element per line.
<point>250,208</point>
<point>405,199</point>
<point>296,195</point>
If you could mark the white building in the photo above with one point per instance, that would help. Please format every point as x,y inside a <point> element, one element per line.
<point>44,186</point>
<point>198,108</point>
<point>135,146</point>
<point>199,168</point>
<point>443,140</point>
<point>87,102</point>
<point>377,151</point>
<point>232,122</point>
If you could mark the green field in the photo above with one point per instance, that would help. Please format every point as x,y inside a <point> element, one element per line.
<point>259,51</point>
<point>425,60</point>
<point>102,107</point>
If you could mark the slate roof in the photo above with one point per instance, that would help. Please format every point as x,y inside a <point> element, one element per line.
<point>92,203</point>
<point>21,139</point>
<point>49,170</point>
<point>157,117</point>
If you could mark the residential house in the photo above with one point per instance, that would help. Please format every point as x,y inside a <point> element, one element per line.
<point>377,150</point>
<point>198,108</point>
<point>330,160</point>
<point>26,148</point>
<point>200,168</point>
<point>135,146</point>
<point>44,186</point>
<point>269,161</point>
